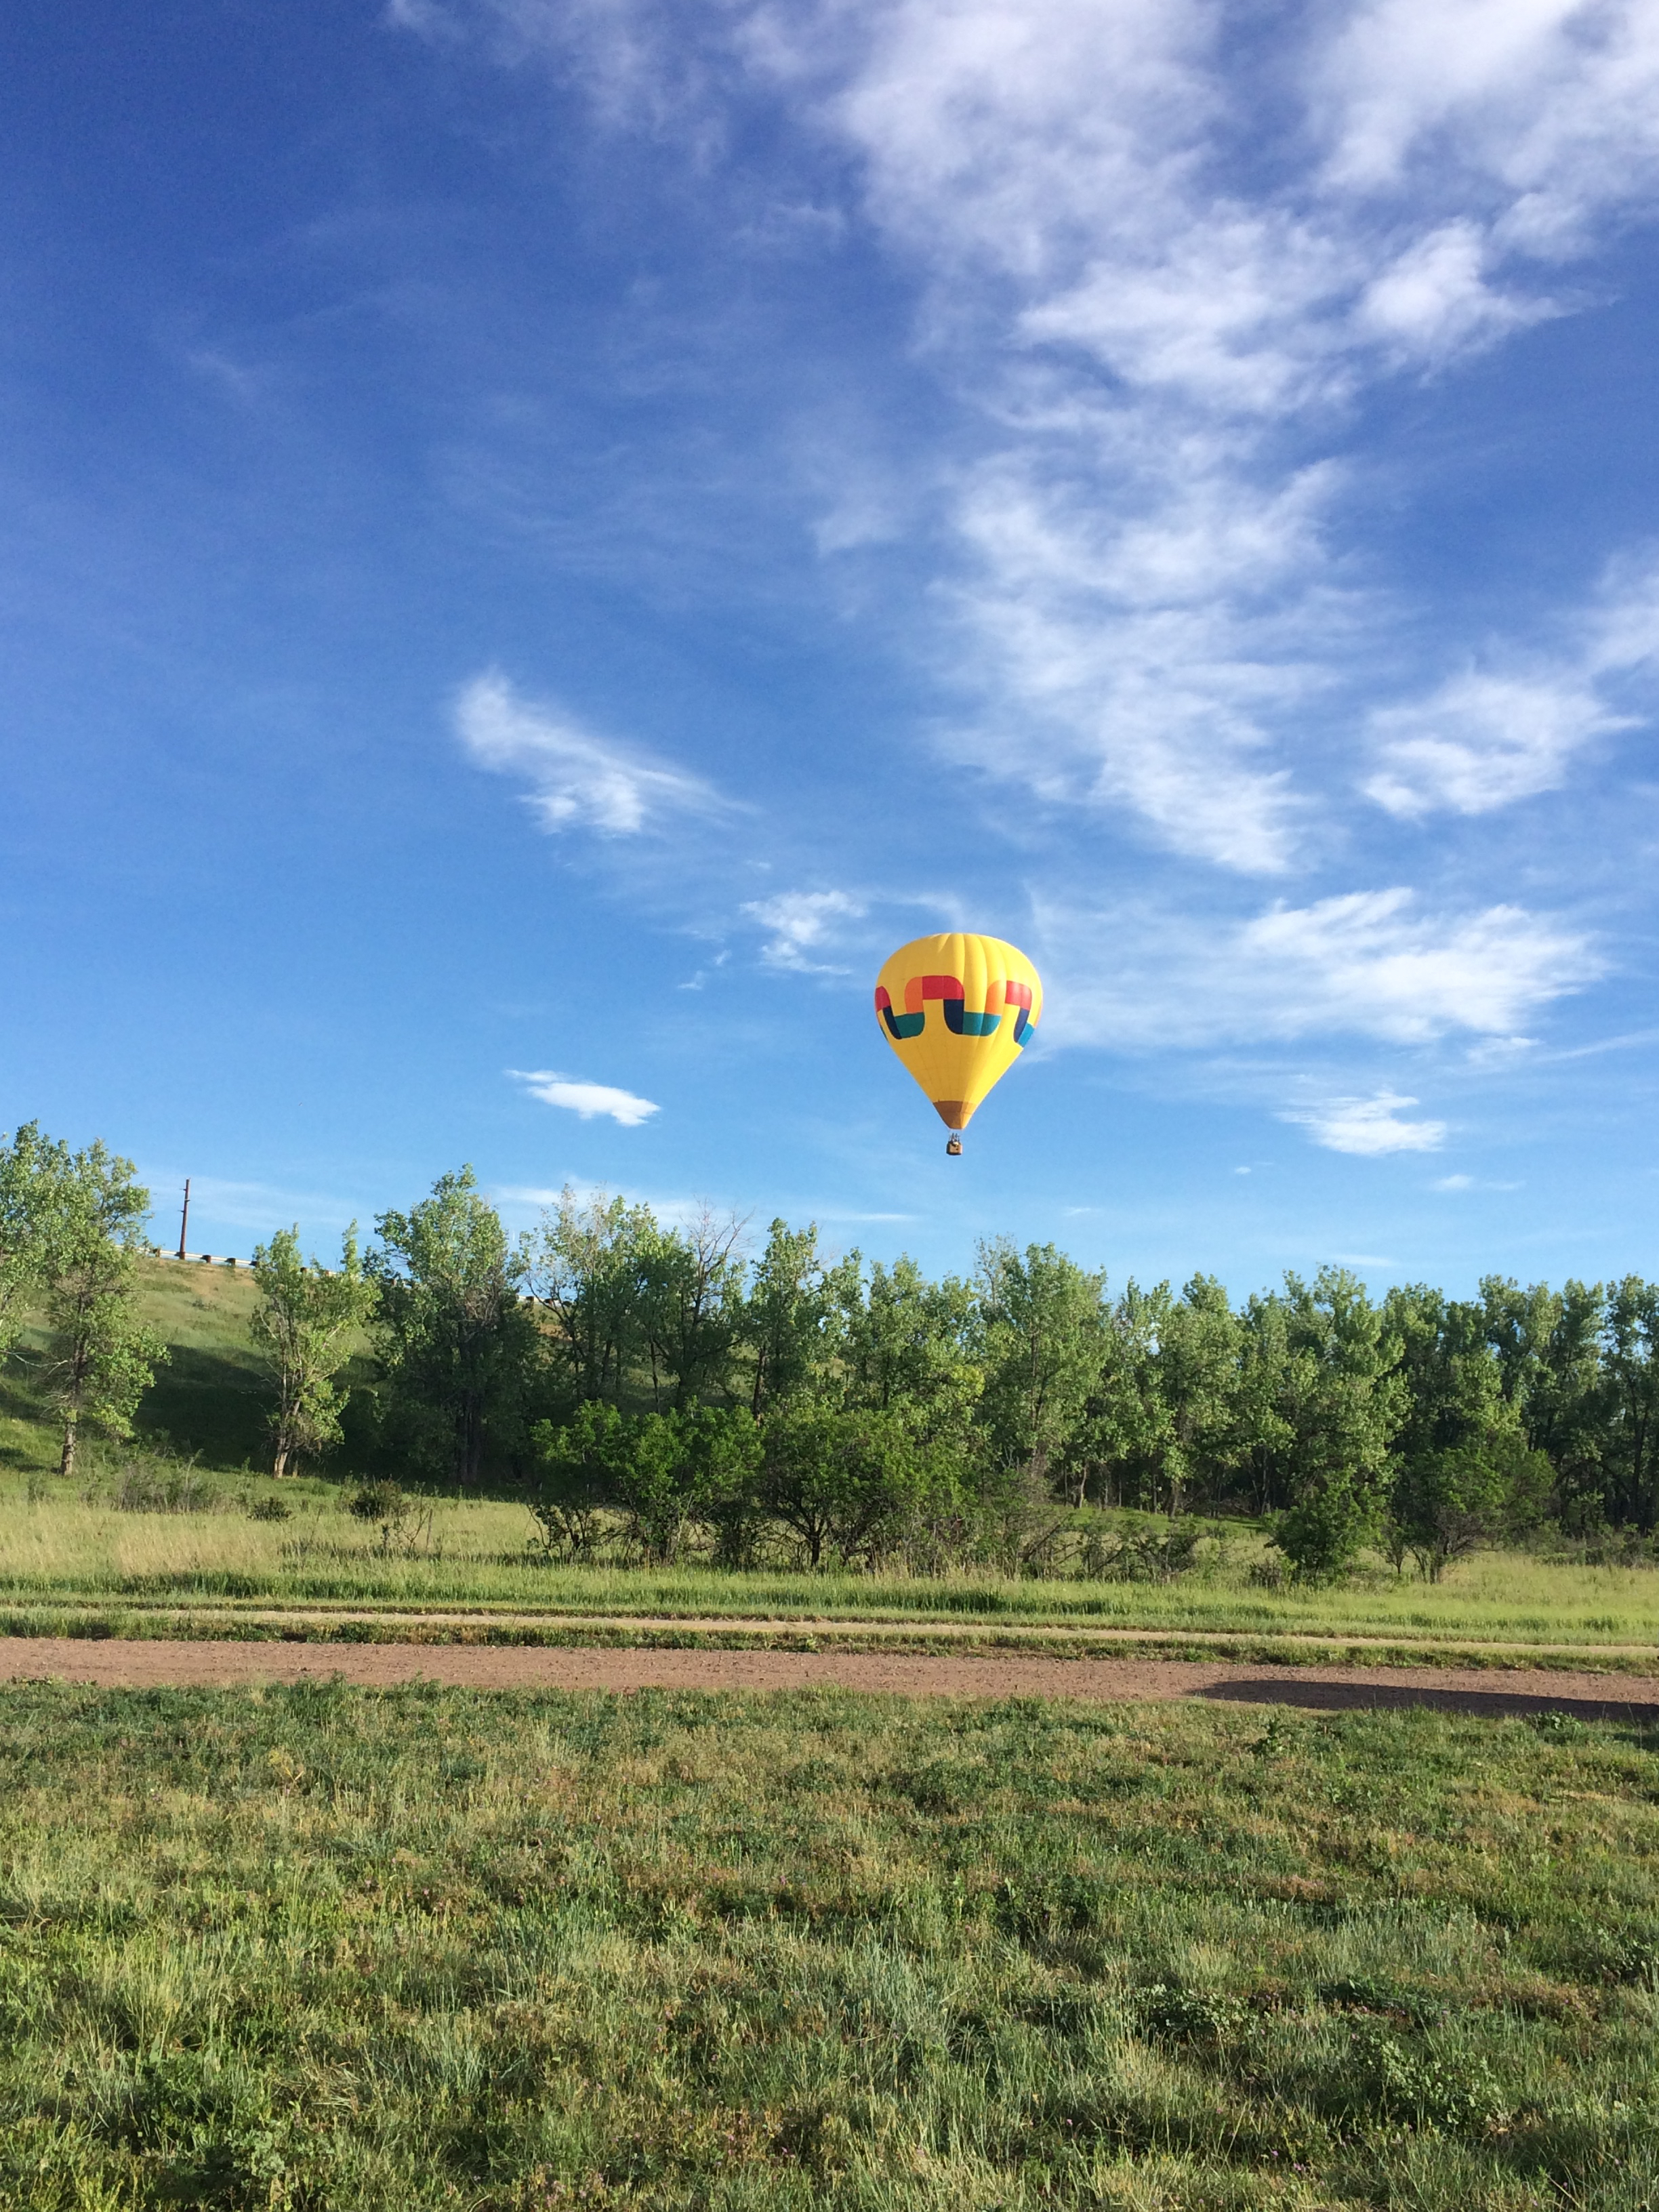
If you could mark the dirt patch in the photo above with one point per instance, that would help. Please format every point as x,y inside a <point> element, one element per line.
<point>145,1663</point>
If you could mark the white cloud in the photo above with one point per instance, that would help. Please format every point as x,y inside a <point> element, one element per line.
<point>1128,684</point>
<point>1481,742</point>
<point>1433,300</point>
<point>1368,1127</point>
<point>1155,263</point>
<point>1412,978</point>
<point>588,1099</point>
<point>426,18</point>
<point>1369,964</point>
<point>1552,106</point>
<point>577,781</point>
<point>803,922</point>
<point>1146,586</point>
<point>520,1199</point>
<point>1487,738</point>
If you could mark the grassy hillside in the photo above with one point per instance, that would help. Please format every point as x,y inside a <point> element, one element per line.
<point>210,1400</point>
<point>427,1948</point>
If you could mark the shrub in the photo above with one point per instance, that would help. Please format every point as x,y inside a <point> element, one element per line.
<point>383,1504</point>
<point>1144,1556</point>
<point>144,1488</point>
<point>1323,1532</point>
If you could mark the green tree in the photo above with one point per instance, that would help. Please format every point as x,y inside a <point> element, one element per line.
<point>1453,1382</point>
<point>1197,1362</point>
<point>579,1466</point>
<point>902,1346</point>
<point>32,1168</point>
<point>1464,1474</point>
<point>727,1447</point>
<point>304,1324</point>
<point>103,1356</point>
<point>586,1263</point>
<point>1159,1423</point>
<point>1448,1502</point>
<point>1262,1434</point>
<point>1117,1449</point>
<point>457,1342</point>
<point>691,1308</point>
<point>688,1466</point>
<point>851,1482</point>
<point>657,1479</point>
<point>1631,1363</point>
<point>1329,1524</point>
<point>1338,1403</point>
<point>787,1318</point>
<point>1549,1349</point>
<point>1042,1331</point>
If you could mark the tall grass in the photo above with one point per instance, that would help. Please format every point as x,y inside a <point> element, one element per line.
<point>324,1948</point>
<point>473,1555</point>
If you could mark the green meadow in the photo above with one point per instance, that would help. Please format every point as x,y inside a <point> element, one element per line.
<point>65,1555</point>
<point>321,1947</point>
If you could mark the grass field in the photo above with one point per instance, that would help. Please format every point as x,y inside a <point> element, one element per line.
<point>60,1555</point>
<point>332,1950</point>
<point>70,1561</point>
<point>324,1948</point>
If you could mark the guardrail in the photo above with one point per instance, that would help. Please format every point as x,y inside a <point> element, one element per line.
<point>221,1260</point>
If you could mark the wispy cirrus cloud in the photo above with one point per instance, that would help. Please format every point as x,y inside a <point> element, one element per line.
<point>577,779</point>
<point>1482,741</point>
<point>802,924</point>
<point>1369,1128</point>
<point>259,1207</point>
<point>589,1100</point>
<point>1144,309</point>
<point>1160,266</point>
<point>1369,964</point>
<point>1157,259</point>
<point>1125,681</point>
<point>1492,735</point>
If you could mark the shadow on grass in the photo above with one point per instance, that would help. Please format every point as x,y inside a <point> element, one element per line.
<point>1377,1696</point>
<point>203,1402</point>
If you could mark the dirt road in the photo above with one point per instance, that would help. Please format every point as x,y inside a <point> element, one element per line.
<point>146,1664</point>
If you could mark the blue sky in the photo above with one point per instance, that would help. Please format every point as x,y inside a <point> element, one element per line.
<point>540,541</point>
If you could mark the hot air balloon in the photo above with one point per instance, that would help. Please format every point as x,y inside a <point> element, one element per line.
<point>957,1009</point>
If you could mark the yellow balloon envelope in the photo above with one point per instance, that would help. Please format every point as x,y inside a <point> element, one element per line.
<point>957,1009</point>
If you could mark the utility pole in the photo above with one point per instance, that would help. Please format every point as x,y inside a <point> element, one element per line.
<point>184,1218</point>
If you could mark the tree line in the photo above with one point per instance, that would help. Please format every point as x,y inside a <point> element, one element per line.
<point>668,1379</point>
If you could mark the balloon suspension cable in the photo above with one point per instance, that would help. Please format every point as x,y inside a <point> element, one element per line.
<point>953,1145</point>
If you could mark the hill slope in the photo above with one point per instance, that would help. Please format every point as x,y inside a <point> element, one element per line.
<point>212,1397</point>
